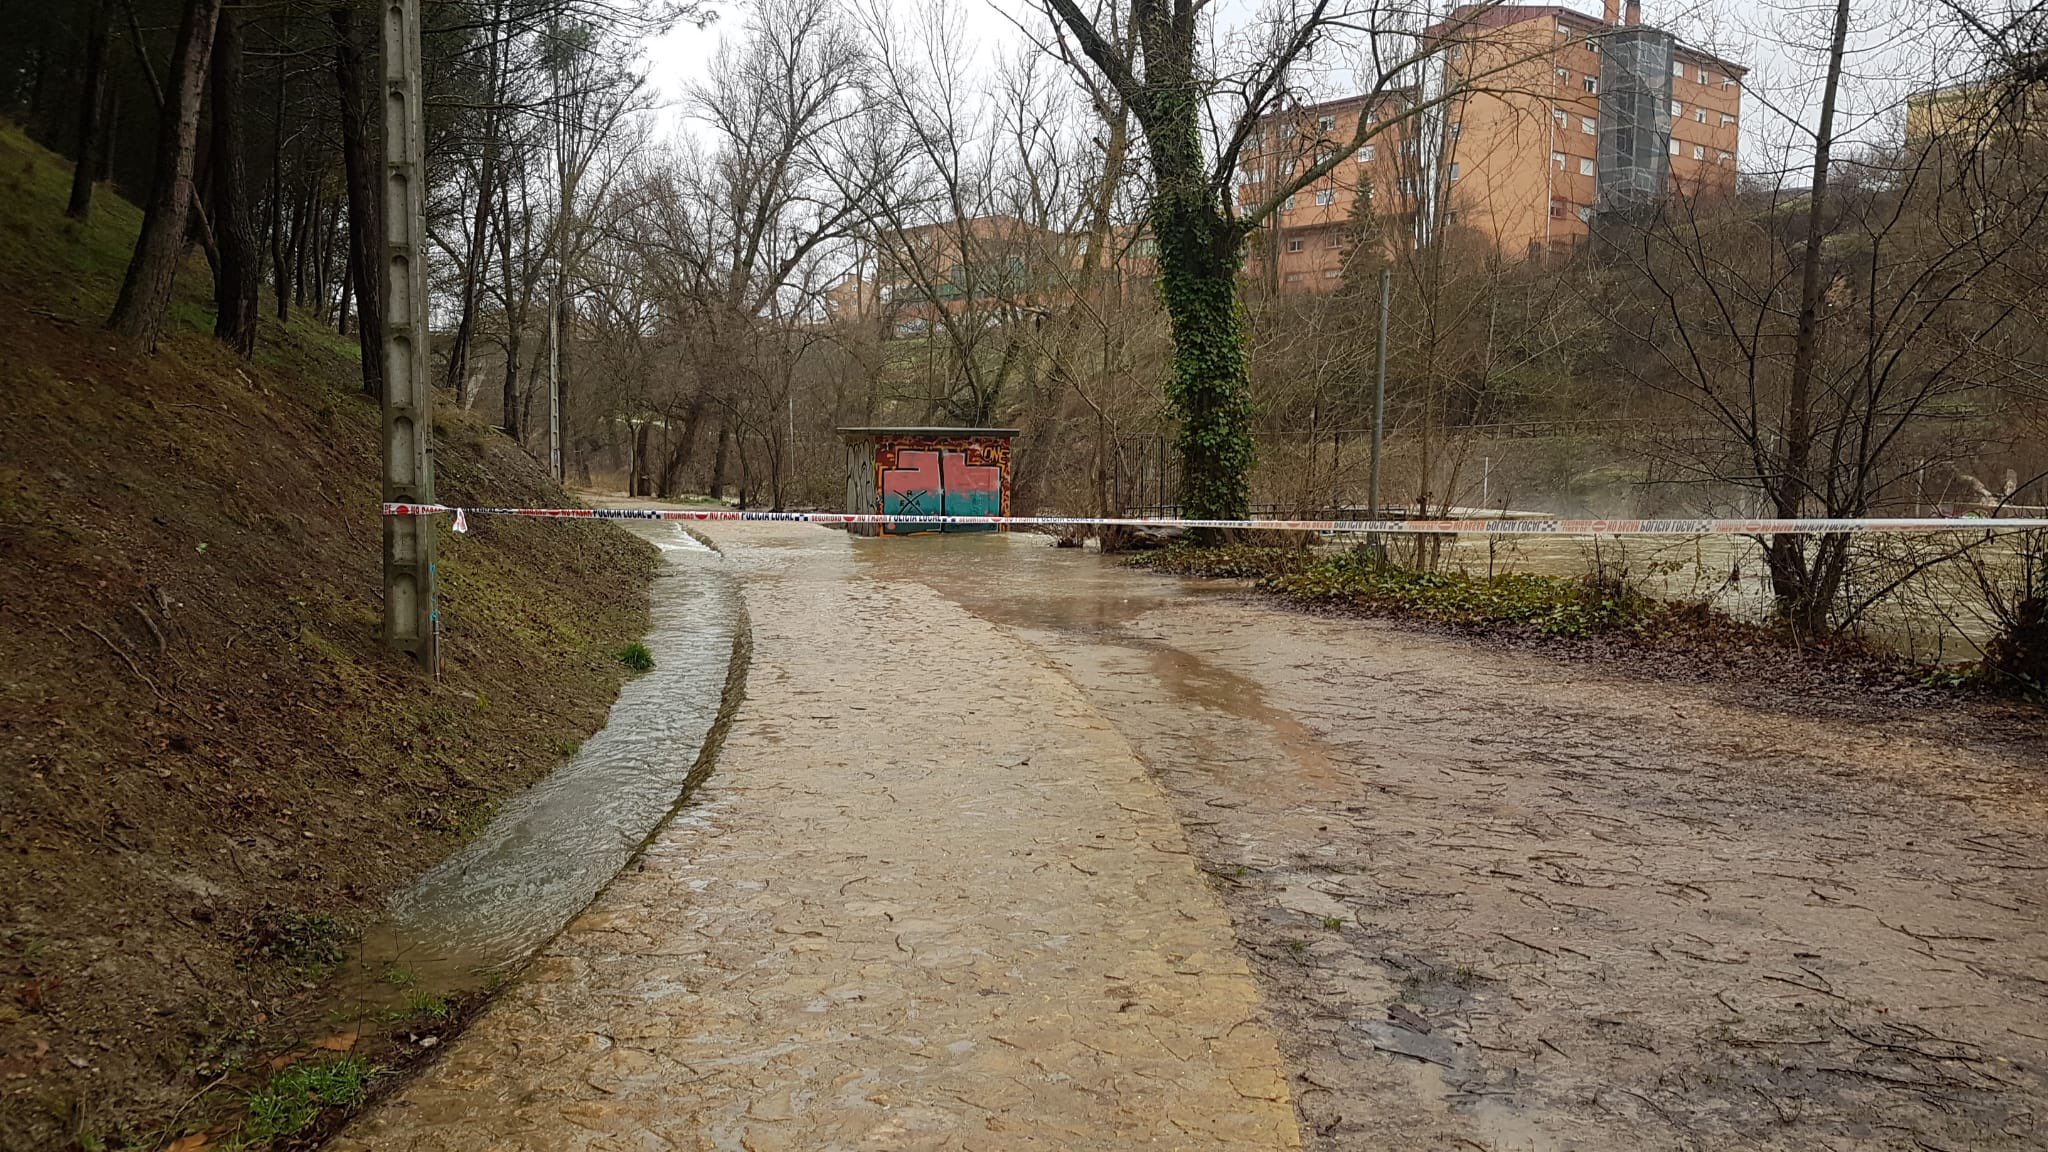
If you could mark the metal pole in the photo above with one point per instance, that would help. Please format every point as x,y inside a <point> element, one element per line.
<point>411,620</point>
<point>1379,394</point>
<point>554,394</point>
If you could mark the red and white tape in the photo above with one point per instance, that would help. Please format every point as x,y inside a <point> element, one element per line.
<point>1532,527</point>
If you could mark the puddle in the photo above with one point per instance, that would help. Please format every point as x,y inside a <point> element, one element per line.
<point>550,848</point>
<point>1022,581</point>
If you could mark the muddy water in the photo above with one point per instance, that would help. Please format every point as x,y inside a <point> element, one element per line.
<point>1501,902</point>
<point>549,849</point>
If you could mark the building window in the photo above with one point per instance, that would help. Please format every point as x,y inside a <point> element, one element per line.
<point>1559,209</point>
<point>1700,114</point>
<point>1294,245</point>
<point>1455,172</point>
<point>1294,278</point>
<point>1722,158</point>
<point>1674,146</point>
<point>1287,205</point>
<point>1589,126</point>
<point>1703,75</point>
<point>1324,157</point>
<point>1727,82</point>
<point>1585,214</point>
<point>1592,85</point>
<point>1698,152</point>
<point>1564,74</point>
<point>1325,197</point>
<point>1332,273</point>
<point>1366,153</point>
<point>1252,142</point>
<point>1564,30</point>
<point>1678,69</point>
<point>1558,115</point>
<point>1677,110</point>
<point>1325,123</point>
<point>1557,161</point>
<point>1287,166</point>
<point>1287,131</point>
<point>1457,129</point>
<point>1408,186</point>
<point>1585,166</point>
<point>1336,244</point>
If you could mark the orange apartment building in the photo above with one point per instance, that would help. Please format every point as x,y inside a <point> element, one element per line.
<point>1555,117</point>
<point>1560,117</point>
<point>1303,249</point>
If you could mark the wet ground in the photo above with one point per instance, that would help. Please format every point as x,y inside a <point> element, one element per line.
<point>1497,901</point>
<point>928,900</point>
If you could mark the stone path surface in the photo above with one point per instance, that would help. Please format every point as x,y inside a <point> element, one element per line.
<point>929,900</point>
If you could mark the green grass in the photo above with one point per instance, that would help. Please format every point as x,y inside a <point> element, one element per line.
<point>1554,605</point>
<point>637,657</point>
<point>295,1096</point>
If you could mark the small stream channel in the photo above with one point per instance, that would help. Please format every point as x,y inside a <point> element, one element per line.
<point>549,849</point>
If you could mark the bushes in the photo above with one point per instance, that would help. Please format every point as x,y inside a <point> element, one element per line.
<point>1554,605</point>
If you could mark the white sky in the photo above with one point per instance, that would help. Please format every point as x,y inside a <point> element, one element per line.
<point>1893,48</point>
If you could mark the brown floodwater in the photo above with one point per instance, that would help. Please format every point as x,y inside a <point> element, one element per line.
<point>548,850</point>
<point>1503,902</point>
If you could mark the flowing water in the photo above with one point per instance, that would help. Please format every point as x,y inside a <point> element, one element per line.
<point>551,848</point>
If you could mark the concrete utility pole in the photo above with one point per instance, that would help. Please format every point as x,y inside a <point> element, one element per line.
<point>411,620</point>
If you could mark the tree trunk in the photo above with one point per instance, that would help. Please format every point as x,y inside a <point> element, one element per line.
<point>638,485</point>
<point>146,289</point>
<point>359,167</point>
<point>276,229</point>
<point>1210,391</point>
<point>90,102</point>
<point>472,269</point>
<point>720,457</point>
<point>1803,597</point>
<point>302,208</point>
<point>514,317</point>
<point>472,273</point>
<point>240,270</point>
<point>348,284</point>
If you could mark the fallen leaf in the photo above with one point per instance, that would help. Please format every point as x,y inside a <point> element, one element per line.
<point>196,1142</point>
<point>339,1042</point>
<point>42,1049</point>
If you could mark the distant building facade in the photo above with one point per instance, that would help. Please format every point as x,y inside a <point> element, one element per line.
<point>1557,117</point>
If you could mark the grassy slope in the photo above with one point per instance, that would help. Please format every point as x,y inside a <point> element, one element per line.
<point>206,760</point>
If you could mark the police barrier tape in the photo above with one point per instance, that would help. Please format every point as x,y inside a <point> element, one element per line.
<point>1809,527</point>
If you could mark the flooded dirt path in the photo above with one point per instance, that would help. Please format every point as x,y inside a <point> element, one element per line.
<point>1497,901</point>
<point>928,900</point>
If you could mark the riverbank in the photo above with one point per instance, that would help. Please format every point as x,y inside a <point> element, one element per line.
<point>1605,614</point>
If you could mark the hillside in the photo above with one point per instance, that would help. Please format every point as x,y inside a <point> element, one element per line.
<point>210,771</point>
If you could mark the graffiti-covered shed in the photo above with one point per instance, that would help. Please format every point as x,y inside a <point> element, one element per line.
<point>927,472</point>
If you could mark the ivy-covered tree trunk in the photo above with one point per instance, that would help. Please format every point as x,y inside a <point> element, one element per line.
<point>1200,249</point>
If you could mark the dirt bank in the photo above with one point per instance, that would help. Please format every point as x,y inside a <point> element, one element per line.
<point>212,772</point>
<point>1497,900</point>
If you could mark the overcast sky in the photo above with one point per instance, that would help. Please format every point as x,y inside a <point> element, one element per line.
<point>1896,45</point>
